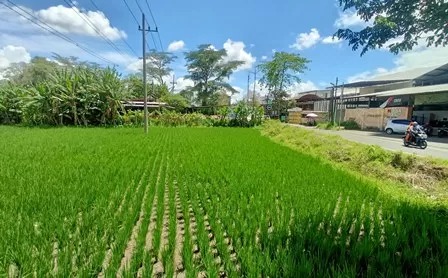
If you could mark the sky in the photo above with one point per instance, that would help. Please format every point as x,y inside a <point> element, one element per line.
<point>250,31</point>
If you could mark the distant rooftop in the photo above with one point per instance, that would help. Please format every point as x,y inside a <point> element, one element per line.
<point>433,74</point>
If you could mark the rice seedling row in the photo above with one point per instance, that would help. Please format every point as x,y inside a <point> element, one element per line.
<point>196,202</point>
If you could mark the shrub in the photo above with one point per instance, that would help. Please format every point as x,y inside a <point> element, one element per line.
<point>351,125</point>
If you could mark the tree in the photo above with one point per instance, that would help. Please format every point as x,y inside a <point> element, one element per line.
<point>397,25</point>
<point>134,85</point>
<point>36,71</point>
<point>279,73</point>
<point>177,101</point>
<point>208,69</point>
<point>158,65</point>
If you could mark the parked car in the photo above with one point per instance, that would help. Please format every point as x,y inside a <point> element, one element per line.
<point>397,126</point>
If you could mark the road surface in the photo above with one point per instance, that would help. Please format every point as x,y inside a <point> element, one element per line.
<point>437,147</point>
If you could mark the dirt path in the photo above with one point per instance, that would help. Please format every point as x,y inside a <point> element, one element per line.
<point>132,242</point>
<point>180,234</point>
<point>158,267</point>
<point>109,252</point>
<point>149,238</point>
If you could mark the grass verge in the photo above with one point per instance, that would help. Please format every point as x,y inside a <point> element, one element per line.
<point>418,178</point>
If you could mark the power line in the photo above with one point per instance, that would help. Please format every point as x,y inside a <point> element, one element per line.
<point>129,9</point>
<point>155,23</point>
<point>146,21</point>
<point>50,29</point>
<point>140,8</point>
<point>130,47</point>
<point>104,37</point>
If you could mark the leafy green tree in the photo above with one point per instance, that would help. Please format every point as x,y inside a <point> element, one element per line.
<point>403,21</point>
<point>158,65</point>
<point>208,70</point>
<point>177,101</point>
<point>35,72</point>
<point>280,73</point>
<point>134,85</point>
<point>188,95</point>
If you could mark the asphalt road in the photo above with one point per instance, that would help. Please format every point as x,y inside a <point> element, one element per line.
<point>437,147</point>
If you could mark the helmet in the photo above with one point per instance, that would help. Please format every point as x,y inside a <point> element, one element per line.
<point>414,123</point>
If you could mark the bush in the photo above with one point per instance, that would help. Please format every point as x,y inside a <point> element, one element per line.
<point>240,117</point>
<point>351,125</point>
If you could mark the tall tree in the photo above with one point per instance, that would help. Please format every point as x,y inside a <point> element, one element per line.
<point>35,72</point>
<point>397,25</point>
<point>280,73</point>
<point>158,65</point>
<point>209,71</point>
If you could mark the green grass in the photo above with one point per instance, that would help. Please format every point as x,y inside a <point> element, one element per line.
<point>344,224</point>
<point>414,178</point>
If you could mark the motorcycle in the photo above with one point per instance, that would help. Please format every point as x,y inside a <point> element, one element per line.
<point>419,140</point>
<point>442,132</point>
<point>428,129</point>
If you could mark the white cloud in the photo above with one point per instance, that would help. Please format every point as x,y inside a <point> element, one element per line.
<point>365,75</point>
<point>331,40</point>
<point>119,59</point>
<point>432,56</point>
<point>75,21</point>
<point>264,58</point>
<point>422,57</point>
<point>274,51</point>
<point>13,54</point>
<point>302,87</point>
<point>236,52</point>
<point>306,40</point>
<point>183,83</point>
<point>176,46</point>
<point>350,19</point>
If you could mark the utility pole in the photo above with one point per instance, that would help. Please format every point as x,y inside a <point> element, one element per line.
<point>248,87</point>
<point>332,102</point>
<point>143,29</point>
<point>173,83</point>
<point>153,89</point>
<point>255,83</point>
<point>341,104</point>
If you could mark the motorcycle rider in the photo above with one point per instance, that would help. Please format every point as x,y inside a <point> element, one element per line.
<point>415,130</point>
<point>408,132</point>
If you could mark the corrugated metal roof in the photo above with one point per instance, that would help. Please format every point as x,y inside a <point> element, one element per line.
<point>405,75</point>
<point>410,91</point>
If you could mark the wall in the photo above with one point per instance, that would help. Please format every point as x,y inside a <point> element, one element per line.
<point>322,105</point>
<point>295,117</point>
<point>376,118</point>
<point>385,87</point>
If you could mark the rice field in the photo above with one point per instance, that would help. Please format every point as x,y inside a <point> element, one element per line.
<point>199,202</point>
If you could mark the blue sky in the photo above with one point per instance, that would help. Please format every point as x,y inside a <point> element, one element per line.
<point>249,30</point>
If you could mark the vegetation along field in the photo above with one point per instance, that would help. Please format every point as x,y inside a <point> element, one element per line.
<point>199,202</point>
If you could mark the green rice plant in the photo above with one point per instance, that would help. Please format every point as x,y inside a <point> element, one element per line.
<point>81,202</point>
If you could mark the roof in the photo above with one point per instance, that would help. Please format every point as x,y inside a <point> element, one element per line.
<point>306,98</point>
<point>410,91</point>
<point>321,93</point>
<point>405,75</point>
<point>418,74</point>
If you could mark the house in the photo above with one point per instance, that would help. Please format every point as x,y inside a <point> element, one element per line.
<point>419,94</point>
<point>316,102</point>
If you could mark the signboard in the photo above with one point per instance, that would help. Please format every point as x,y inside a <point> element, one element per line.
<point>434,98</point>
<point>395,101</point>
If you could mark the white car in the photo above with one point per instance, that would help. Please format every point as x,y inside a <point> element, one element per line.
<point>397,126</point>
